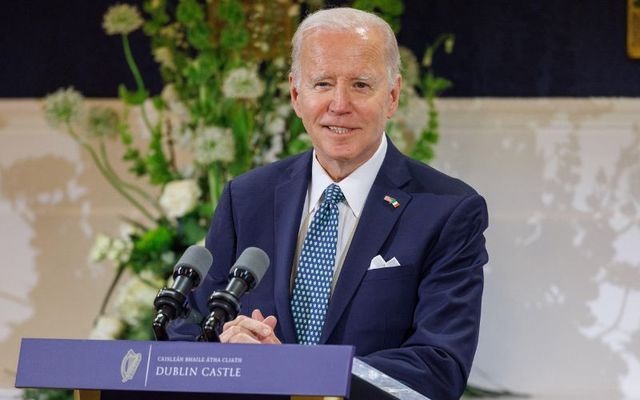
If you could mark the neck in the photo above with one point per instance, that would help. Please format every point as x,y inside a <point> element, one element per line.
<point>337,171</point>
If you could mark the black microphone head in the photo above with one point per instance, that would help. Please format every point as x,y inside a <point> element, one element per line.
<point>196,257</point>
<point>253,260</point>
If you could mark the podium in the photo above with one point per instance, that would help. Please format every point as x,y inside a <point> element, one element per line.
<point>104,370</point>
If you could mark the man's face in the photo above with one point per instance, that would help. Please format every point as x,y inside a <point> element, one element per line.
<point>344,98</point>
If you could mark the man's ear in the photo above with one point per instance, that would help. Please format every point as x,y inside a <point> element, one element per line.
<point>293,91</point>
<point>394,96</point>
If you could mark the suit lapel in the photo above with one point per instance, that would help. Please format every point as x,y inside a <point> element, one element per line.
<point>376,223</point>
<point>289,200</point>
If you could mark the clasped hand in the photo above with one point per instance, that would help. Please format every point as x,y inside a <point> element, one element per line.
<point>256,329</point>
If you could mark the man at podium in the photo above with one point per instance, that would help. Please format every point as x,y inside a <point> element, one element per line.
<point>367,247</point>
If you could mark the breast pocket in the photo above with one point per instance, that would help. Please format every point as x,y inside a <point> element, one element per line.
<point>399,272</point>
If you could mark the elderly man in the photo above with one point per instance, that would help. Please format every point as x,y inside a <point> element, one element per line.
<point>367,246</point>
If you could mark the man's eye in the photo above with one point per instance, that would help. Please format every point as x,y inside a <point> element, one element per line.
<point>361,85</point>
<point>322,84</point>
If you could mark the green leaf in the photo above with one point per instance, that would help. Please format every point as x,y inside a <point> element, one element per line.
<point>422,151</point>
<point>132,98</point>
<point>441,84</point>
<point>190,230</point>
<point>189,12</point>
<point>143,330</point>
<point>205,210</point>
<point>199,36</point>
<point>200,70</point>
<point>158,103</point>
<point>138,166</point>
<point>299,144</point>
<point>231,11</point>
<point>156,162</point>
<point>154,241</point>
<point>238,119</point>
<point>234,38</point>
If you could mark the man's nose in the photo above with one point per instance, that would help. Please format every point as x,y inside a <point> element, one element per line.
<point>341,101</point>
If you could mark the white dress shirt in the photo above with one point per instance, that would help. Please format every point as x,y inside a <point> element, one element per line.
<point>355,188</point>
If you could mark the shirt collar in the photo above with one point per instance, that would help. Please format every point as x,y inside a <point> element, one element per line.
<point>355,187</point>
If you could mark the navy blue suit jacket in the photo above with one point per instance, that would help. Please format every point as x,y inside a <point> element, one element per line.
<point>418,322</point>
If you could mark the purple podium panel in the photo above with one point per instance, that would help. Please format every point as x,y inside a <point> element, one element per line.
<point>185,367</point>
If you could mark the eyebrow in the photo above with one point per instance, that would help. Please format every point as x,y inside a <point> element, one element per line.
<point>366,78</point>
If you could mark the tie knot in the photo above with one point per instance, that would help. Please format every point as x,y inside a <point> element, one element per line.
<point>333,194</point>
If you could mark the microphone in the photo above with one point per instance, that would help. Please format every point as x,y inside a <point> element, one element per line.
<point>170,303</point>
<point>224,305</point>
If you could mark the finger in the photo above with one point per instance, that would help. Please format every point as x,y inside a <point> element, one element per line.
<point>271,339</point>
<point>257,315</point>
<point>271,321</point>
<point>234,322</point>
<point>233,331</point>
<point>243,338</point>
<point>257,328</point>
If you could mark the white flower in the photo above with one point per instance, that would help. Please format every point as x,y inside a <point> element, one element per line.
<point>180,197</point>
<point>275,126</point>
<point>127,230</point>
<point>284,87</point>
<point>178,113</point>
<point>280,63</point>
<point>102,121</point>
<point>414,114</point>
<point>243,83</point>
<point>410,68</point>
<point>164,57</point>
<point>276,148</point>
<point>397,136</point>
<point>100,248</point>
<point>63,106</point>
<point>155,4</point>
<point>284,110</point>
<point>107,328</point>
<point>294,10</point>
<point>168,257</point>
<point>121,19</point>
<point>135,298</point>
<point>214,144</point>
<point>119,251</point>
<point>114,250</point>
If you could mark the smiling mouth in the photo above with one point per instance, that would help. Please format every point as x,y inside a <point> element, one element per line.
<point>339,129</point>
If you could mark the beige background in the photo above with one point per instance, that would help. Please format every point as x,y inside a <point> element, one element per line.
<point>562,179</point>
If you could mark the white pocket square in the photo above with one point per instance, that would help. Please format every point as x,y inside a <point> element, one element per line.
<point>379,262</point>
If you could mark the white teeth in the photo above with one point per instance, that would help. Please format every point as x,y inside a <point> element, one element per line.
<point>338,129</point>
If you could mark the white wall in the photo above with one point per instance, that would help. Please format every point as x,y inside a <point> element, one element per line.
<point>562,180</point>
<point>562,299</point>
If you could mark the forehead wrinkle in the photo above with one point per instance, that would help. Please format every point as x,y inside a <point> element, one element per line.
<point>371,46</point>
<point>319,62</point>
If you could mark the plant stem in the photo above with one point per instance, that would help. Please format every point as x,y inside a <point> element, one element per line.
<point>215,181</point>
<point>110,170</point>
<point>107,296</point>
<point>170,145</point>
<point>145,118</point>
<point>114,183</point>
<point>131,62</point>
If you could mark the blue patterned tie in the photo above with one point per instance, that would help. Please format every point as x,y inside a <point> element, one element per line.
<point>312,285</point>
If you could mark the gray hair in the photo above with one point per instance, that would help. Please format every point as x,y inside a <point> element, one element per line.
<point>346,19</point>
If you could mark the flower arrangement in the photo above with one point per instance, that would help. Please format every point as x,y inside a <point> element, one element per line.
<point>224,109</point>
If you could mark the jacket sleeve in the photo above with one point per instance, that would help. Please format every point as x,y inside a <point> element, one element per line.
<point>221,242</point>
<point>436,357</point>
